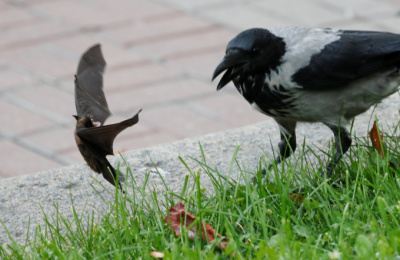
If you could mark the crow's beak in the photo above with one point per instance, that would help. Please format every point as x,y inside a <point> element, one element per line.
<point>231,63</point>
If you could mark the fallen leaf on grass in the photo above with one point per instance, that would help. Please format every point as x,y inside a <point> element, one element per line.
<point>296,197</point>
<point>178,217</point>
<point>377,139</point>
<point>378,143</point>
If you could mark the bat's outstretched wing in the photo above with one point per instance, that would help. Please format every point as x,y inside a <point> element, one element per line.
<point>89,96</point>
<point>103,137</point>
<point>110,174</point>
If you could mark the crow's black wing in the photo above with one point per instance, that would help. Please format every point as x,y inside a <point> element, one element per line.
<point>355,55</point>
<point>102,137</point>
<point>89,96</point>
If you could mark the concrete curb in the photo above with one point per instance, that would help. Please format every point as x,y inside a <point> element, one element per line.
<point>21,198</point>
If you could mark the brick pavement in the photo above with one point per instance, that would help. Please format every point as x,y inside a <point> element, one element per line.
<point>160,56</point>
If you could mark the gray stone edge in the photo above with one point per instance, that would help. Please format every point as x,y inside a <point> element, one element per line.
<point>23,198</point>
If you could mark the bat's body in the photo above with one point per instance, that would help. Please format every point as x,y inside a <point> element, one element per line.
<point>95,142</point>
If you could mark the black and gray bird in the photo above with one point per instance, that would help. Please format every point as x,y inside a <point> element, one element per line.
<point>93,138</point>
<point>312,75</point>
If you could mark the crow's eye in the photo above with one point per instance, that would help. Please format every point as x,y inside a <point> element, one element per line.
<point>255,50</point>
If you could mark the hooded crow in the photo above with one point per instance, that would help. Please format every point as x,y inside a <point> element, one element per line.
<point>312,75</point>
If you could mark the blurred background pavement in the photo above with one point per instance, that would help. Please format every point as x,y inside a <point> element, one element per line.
<point>160,56</point>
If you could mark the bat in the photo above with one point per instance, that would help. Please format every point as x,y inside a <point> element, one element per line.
<point>93,138</point>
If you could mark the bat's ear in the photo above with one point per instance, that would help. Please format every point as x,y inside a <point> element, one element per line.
<point>76,117</point>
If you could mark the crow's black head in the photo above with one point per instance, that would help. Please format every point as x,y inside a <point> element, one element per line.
<point>251,52</point>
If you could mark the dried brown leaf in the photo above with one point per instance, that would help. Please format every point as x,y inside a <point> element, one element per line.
<point>296,197</point>
<point>178,214</point>
<point>377,139</point>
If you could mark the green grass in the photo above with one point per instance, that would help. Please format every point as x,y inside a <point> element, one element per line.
<point>357,217</point>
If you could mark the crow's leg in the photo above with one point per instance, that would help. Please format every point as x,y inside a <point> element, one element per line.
<point>287,145</point>
<point>342,144</point>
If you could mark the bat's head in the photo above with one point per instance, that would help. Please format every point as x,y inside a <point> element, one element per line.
<point>83,122</point>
